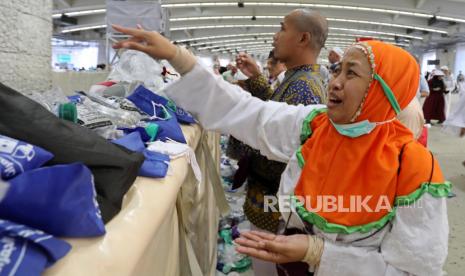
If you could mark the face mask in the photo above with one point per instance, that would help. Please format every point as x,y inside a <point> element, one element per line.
<point>175,150</point>
<point>165,115</point>
<point>359,128</point>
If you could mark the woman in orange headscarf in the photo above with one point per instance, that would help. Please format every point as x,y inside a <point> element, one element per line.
<point>367,197</point>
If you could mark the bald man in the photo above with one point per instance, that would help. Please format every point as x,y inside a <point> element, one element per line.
<point>303,33</point>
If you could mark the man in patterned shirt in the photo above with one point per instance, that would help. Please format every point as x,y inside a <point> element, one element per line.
<point>303,33</point>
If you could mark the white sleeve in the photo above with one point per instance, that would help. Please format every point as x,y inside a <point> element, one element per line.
<point>416,245</point>
<point>271,127</point>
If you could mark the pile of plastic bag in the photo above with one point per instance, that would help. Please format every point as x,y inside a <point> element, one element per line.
<point>229,261</point>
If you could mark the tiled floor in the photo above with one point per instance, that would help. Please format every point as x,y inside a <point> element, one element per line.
<point>450,152</point>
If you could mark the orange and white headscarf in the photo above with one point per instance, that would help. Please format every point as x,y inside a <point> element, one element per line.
<point>385,164</point>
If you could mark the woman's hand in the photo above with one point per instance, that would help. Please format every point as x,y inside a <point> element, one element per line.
<point>273,248</point>
<point>151,43</point>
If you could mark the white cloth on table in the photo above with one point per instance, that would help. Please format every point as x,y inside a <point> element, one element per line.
<point>176,150</point>
<point>414,242</point>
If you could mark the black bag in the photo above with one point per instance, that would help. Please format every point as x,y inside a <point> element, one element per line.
<point>114,168</point>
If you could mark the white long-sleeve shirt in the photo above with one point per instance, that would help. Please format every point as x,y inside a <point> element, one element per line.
<point>415,242</point>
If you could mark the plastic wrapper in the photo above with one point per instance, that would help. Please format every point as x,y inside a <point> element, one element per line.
<point>92,116</point>
<point>137,66</point>
<point>120,110</point>
<point>118,116</point>
<point>51,99</point>
<point>127,106</point>
<point>228,258</point>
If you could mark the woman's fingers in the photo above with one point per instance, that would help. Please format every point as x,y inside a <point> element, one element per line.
<point>131,45</point>
<point>129,31</point>
<point>264,235</point>
<point>257,253</point>
<point>249,243</point>
<point>119,44</point>
<point>252,236</point>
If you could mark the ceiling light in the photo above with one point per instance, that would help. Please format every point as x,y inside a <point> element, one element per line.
<point>388,25</point>
<point>285,4</point>
<point>447,18</point>
<point>376,32</point>
<point>309,5</point>
<point>228,40</point>
<point>233,44</point>
<point>225,26</point>
<point>235,17</point>
<point>271,34</point>
<point>275,26</point>
<point>222,36</point>
<point>79,13</point>
<point>83,28</point>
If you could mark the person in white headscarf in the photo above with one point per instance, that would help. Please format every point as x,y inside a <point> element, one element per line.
<point>334,57</point>
<point>460,84</point>
<point>449,82</point>
<point>455,123</point>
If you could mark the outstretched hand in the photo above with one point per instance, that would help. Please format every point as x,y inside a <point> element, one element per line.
<point>273,248</point>
<point>247,65</point>
<point>151,43</point>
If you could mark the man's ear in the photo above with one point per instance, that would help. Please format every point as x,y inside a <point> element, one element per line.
<point>306,38</point>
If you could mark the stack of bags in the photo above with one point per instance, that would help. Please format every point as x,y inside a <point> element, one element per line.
<point>66,178</point>
<point>67,162</point>
<point>39,202</point>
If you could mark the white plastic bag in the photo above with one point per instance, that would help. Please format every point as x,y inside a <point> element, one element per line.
<point>137,66</point>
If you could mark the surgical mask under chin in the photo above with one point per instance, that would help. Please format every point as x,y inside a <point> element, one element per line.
<point>358,129</point>
<point>165,115</point>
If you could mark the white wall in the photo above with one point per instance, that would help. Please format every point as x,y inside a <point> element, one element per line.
<point>25,48</point>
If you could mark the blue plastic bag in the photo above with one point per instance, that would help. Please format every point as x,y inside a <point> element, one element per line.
<point>132,141</point>
<point>169,128</point>
<point>143,98</point>
<point>166,129</point>
<point>142,132</point>
<point>59,200</point>
<point>17,157</point>
<point>155,164</point>
<point>27,251</point>
<point>147,134</point>
<point>76,98</point>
